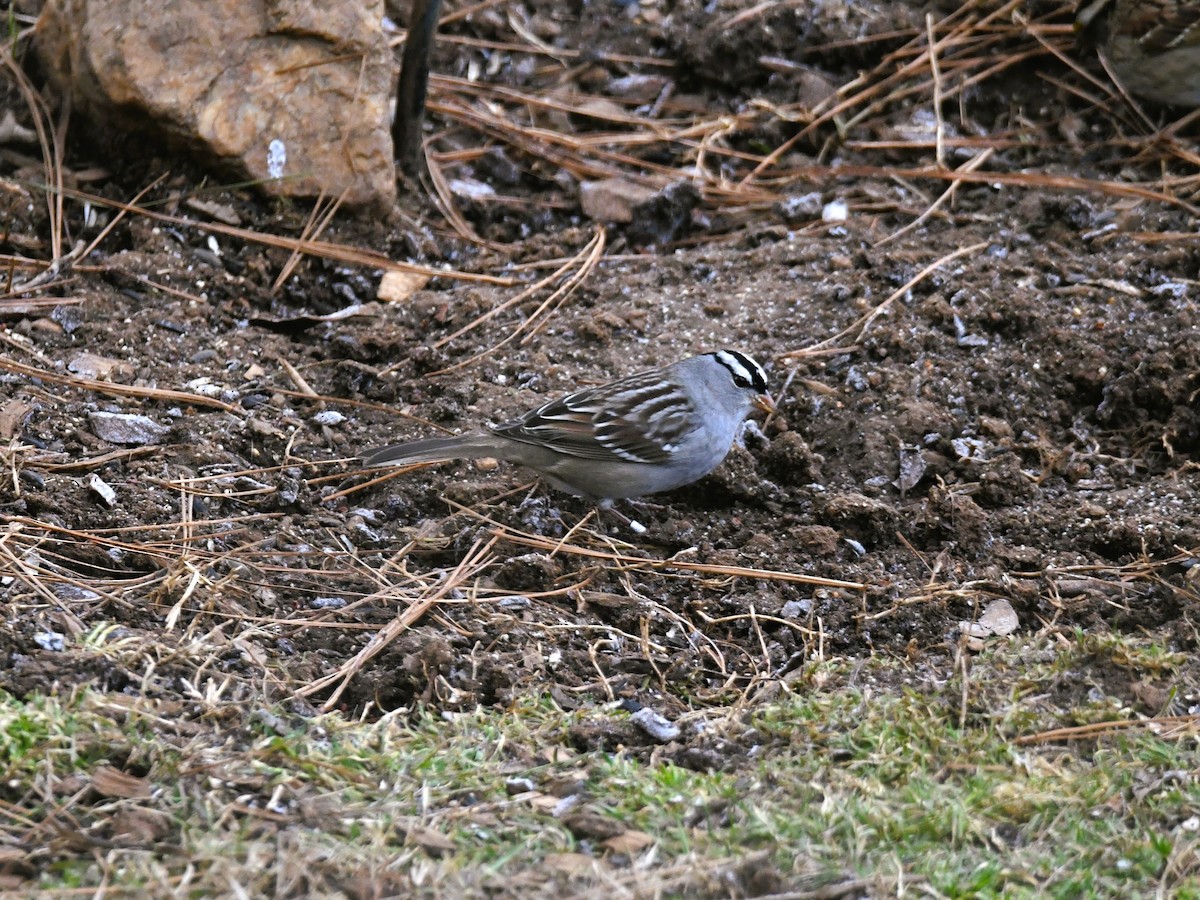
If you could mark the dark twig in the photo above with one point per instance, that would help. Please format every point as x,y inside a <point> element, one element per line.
<point>414,78</point>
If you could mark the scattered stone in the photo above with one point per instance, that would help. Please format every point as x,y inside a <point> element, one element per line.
<point>397,286</point>
<point>638,88</point>
<point>50,640</point>
<point>74,592</point>
<point>801,208</point>
<point>586,824</point>
<point>329,417</point>
<point>211,77</point>
<point>835,211</point>
<point>998,619</point>
<point>528,572</point>
<point>12,417</point>
<point>90,365</point>
<point>629,842</point>
<point>102,489</point>
<point>513,786</point>
<point>497,166</point>
<point>912,468</point>
<point>612,200</point>
<point>470,189</point>
<point>219,212</point>
<point>12,132</point>
<point>432,842</point>
<point>600,108</point>
<point>655,724</point>
<point>328,602</point>
<point>663,217</point>
<point>795,609</point>
<point>205,387</point>
<point>131,430</point>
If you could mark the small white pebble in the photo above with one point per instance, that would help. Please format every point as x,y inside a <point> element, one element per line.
<point>329,417</point>
<point>835,211</point>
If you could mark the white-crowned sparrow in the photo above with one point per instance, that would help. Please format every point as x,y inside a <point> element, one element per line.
<point>650,432</point>
<point>1152,46</point>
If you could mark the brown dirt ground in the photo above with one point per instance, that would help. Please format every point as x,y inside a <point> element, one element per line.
<point>1020,423</point>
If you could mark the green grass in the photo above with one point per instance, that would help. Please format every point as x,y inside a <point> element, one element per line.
<point>863,772</point>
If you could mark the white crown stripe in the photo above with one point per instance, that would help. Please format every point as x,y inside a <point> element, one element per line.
<point>735,364</point>
<point>742,367</point>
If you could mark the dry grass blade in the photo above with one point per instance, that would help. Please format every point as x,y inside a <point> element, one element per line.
<point>1165,727</point>
<point>342,253</point>
<point>524,295</point>
<point>419,603</point>
<point>317,222</point>
<point>860,325</point>
<point>636,562</point>
<point>50,141</point>
<point>114,389</point>
<point>586,260</point>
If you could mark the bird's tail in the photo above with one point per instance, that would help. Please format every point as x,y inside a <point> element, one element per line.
<point>467,446</point>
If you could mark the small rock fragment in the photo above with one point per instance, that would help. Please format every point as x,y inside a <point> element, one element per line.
<point>91,365</point>
<point>655,724</point>
<point>12,417</point>
<point>122,428</point>
<point>102,489</point>
<point>50,640</point>
<point>612,200</point>
<point>639,88</point>
<point>328,602</point>
<point>397,286</point>
<point>799,207</point>
<point>663,217</point>
<point>998,620</point>
<point>329,417</point>
<point>835,211</point>
<point>513,786</point>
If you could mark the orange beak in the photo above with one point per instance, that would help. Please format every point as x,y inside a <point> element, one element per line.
<point>765,403</point>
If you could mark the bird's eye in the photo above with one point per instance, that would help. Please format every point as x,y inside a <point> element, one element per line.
<point>741,382</point>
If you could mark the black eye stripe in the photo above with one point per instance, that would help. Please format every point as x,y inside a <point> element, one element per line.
<point>746,373</point>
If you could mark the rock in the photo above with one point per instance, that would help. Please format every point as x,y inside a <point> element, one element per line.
<point>663,217</point>
<point>655,724</point>
<point>91,365</point>
<point>121,428</point>
<point>639,88</point>
<point>612,200</point>
<point>395,287</point>
<point>102,489</point>
<point>999,619</point>
<point>296,85</point>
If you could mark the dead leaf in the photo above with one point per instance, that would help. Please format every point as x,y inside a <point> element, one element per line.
<point>12,416</point>
<point>432,842</point>
<point>301,323</point>
<point>628,842</point>
<point>140,825</point>
<point>571,863</point>
<point>585,824</point>
<point>112,782</point>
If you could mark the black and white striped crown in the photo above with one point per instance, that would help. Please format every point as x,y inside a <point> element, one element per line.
<point>746,373</point>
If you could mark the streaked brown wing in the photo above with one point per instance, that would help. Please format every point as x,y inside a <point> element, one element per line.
<point>638,419</point>
<point>1166,24</point>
